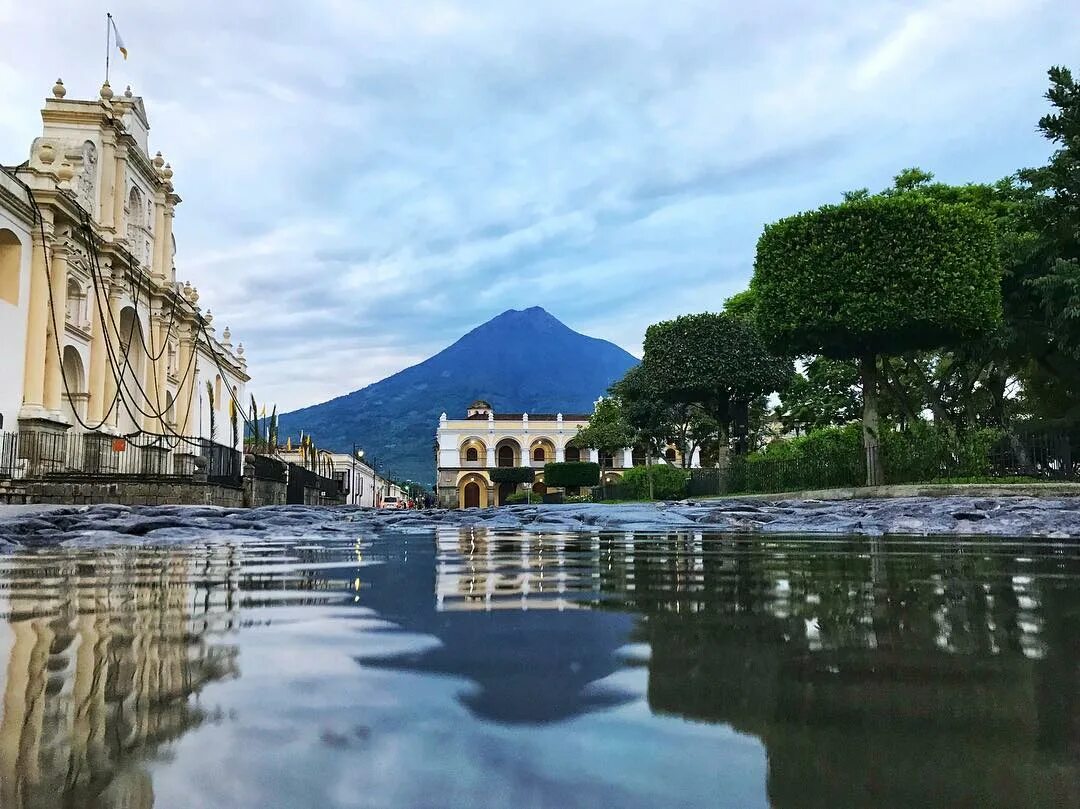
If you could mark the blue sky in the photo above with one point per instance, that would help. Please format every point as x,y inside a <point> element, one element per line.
<point>364,182</point>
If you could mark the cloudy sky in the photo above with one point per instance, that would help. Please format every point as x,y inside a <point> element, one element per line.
<point>364,181</point>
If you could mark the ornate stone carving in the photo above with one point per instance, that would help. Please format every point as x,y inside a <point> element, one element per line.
<point>87,179</point>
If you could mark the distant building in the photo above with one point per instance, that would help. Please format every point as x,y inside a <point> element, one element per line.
<point>467,448</point>
<point>360,483</point>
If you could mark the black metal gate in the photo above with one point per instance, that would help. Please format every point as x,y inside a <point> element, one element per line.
<point>298,479</point>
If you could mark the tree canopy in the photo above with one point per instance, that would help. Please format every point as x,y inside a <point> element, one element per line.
<point>882,274</point>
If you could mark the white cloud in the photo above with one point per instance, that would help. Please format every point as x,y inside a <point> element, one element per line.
<point>365,181</point>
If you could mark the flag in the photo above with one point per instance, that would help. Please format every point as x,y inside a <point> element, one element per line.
<point>119,40</point>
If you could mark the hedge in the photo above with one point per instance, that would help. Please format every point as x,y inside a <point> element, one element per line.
<point>581,473</point>
<point>511,474</point>
<point>669,482</point>
<point>833,457</point>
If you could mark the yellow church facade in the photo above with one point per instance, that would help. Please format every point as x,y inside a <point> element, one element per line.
<point>99,335</point>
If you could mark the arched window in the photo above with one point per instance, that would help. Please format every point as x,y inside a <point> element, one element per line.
<point>10,261</point>
<point>573,454</point>
<point>75,301</point>
<point>506,455</point>
<point>670,455</point>
<point>538,454</point>
<point>170,410</point>
<point>607,460</point>
<point>638,457</point>
<point>471,454</point>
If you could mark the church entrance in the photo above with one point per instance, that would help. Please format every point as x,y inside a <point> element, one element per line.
<point>472,495</point>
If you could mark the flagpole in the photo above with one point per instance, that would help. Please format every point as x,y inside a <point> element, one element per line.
<point>108,43</point>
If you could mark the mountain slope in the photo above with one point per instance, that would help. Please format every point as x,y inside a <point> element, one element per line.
<point>520,361</point>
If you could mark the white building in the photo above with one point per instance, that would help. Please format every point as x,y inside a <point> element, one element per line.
<point>360,483</point>
<point>468,448</point>
<point>98,334</point>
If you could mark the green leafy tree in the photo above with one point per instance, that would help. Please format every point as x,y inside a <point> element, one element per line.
<point>607,430</point>
<point>824,394</point>
<point>716,362</point>
<point>877,275</point>
<point>1045,304</point>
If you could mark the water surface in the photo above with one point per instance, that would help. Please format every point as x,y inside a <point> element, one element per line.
<point>463,668</point>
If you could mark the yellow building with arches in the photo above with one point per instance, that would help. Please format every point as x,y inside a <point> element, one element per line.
<point>469,448</point>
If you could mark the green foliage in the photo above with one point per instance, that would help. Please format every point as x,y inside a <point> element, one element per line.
<point>607,429</point>
<point>573,473</point>
<point>669,482</point>
<point>714,361</point>
<point>521,497</point>
<point>827,393</point>
<point>884,274</point>
<point>925,452</point>
<point>832,457</point>
<point>512,474</point>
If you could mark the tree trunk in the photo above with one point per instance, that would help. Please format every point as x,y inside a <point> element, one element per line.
<point>648,474</point>
<point>874,475</point>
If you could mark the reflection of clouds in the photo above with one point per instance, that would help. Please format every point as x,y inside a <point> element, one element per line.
<point>104,653</point>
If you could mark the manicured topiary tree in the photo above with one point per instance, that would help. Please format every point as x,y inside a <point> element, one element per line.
<point>512,474</point>
<point>872,276</point>
<point>571,473</point>
<point>714,360</point>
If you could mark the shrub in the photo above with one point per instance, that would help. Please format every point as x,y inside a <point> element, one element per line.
<point>832,457</point>
<point>580,473</point>
<point>669,482</point>
<point>521,497</point>
<point>512,474</point>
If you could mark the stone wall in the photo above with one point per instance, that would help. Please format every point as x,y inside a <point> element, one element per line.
<point>126,492</point>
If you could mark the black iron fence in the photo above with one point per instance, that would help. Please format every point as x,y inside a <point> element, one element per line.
<point>33,455</point>
<point>301,478</point>
<point>267,468</point>
<point>1016,456</point>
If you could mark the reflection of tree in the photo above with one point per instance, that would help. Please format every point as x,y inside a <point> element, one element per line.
<point>106,652</point>
<point>874,678</point>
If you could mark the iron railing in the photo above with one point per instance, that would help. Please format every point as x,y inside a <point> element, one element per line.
<point>31,454</point>
<point>267,468</point>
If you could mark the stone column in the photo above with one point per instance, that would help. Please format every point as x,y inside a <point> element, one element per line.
<point>560,453</point>
<point>166,240</point>
<point>627,458</point>
<point>157,261</point>
<point>188,373</point>
<point>695,458</point>
<point>112,377</point>
<point>154,393</point>
<point>594,455</point>
<point>37,318</point>
<point>120,191</point>
<point>99,358</point>
<point>54,370</point>
<point>107,189</point>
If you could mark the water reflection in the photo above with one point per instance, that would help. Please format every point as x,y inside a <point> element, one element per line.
<point>602,669</point>
<point>104,656</point>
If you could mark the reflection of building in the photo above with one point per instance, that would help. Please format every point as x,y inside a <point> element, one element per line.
<point>468,448</point>
<point>97,332</point>
<point>102,657</point>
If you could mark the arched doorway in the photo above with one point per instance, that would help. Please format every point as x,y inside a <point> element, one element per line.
<point>506,455</point>
<point>472,495</point>
<point>131,358</point>
<point>10,266</point>
<point>74,392</point>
